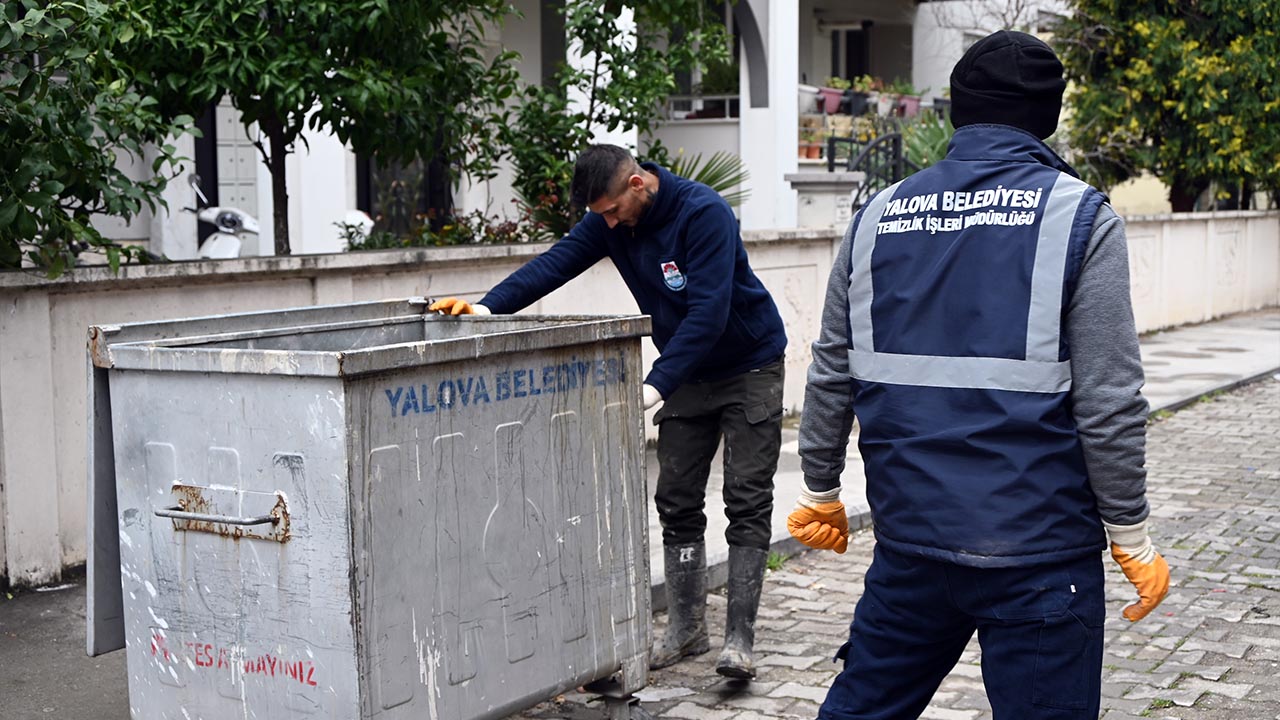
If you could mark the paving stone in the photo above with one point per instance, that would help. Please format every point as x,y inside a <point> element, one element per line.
<point>753,715</point>
<point>1124,705</point>
<point>782,648</point>
<point>1186,698</point>
<point>794,592</point>
<point>1235,690</point>
<point>1208,672</point>
<point>804,692</point>
<point>1185,657</point>
<point>819,629</point>
<point>796,663</point>
<point>809,605</point>
<point>938,713</point>
<point>784,577</point>
<point>772,707</point>
<point>657,694</point>
<point>1230,649</point>
<point>691,711</point>
<point>806,709</point>
<point>1159,680</point>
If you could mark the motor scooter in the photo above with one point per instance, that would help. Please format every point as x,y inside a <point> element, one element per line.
<point>230,225</point>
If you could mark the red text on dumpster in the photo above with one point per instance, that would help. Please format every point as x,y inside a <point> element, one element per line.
<point>209,655</point>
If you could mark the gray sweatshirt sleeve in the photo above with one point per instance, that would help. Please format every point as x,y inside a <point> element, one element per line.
<point>1106,375</point>
<point>827,419</point>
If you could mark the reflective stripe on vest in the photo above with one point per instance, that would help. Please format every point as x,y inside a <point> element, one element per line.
<point>1040,371</point>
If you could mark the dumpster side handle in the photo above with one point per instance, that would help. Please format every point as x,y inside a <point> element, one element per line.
<point>177,513</point>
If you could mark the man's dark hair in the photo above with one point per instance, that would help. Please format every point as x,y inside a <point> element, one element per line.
<point>599,172</point>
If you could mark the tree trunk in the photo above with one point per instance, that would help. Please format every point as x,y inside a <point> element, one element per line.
<point>279,190</point>
<point>1183,193</point>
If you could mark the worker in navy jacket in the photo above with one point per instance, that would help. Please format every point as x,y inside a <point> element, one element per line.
<point>978,325</point>
<point>720,372</point>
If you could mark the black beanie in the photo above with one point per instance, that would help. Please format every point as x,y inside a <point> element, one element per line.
<point>1008,78</point>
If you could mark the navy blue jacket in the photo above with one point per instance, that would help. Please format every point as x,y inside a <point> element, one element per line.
<point>686,266</point>
<point>951,307</point>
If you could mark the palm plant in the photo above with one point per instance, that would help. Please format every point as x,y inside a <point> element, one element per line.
<point>721,172</point>
<point>925,141</point>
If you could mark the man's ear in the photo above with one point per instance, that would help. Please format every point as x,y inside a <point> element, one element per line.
<point>635,182</point>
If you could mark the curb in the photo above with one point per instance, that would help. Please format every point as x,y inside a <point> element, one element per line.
<point>1224,387</point>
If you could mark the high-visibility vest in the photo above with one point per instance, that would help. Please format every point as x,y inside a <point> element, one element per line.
<point>959,280</point>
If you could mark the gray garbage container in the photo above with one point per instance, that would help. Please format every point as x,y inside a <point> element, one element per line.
<point>369,511</point>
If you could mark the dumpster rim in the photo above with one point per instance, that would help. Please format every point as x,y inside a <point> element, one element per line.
<point>177,355</point>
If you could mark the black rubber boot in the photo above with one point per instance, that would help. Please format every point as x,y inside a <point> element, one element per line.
<point>686,571</point>
<point>746,577</point>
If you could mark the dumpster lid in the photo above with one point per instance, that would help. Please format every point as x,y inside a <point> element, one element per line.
<point>354,347</point>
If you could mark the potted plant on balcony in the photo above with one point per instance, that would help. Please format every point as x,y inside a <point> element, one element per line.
<point>831,93</point>
<point>908,102</point>
<point>720,78</point>
<point>810,143</point>
<point>861,94</point>
<point>882,97</point>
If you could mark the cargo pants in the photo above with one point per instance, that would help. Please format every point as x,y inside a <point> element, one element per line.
<point>747,411</point>
<point>1040,629</point>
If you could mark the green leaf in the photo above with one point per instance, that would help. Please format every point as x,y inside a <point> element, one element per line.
<point>28,87</point>
<point>36,199</point>
<point>34,17</point>
<point>8,211</point>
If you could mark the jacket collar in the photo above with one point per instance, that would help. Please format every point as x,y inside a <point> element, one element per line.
<point>1003,142</point>
<point>664,204</point>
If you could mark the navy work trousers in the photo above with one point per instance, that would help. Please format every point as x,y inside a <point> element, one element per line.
<point>747,411</point>
<point>1040,629</point>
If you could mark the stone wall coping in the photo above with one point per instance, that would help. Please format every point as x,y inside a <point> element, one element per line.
<point>214,271</point>
<point>190,272</point>
<point>1201,216</point>
<point>825,178</point>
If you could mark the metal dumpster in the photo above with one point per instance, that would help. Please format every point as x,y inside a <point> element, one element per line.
<point>368,511</point>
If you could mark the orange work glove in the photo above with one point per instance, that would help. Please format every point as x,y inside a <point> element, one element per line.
<point>1142,565</point>
<point>820,520</point>
<point>457,306</point>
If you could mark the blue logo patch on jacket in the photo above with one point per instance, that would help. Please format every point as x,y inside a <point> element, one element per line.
<point>672,276</point>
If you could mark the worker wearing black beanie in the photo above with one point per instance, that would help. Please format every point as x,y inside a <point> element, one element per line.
<point>1008,78</point>
<point>978,327</point>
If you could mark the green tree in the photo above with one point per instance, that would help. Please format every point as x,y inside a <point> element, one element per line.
<point>398,79</point>
<point>67,113</point>
<point>624,82</point>
<point>1186,89</point>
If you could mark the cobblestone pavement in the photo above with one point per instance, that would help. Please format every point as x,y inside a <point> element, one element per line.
<point>1211,650</point>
